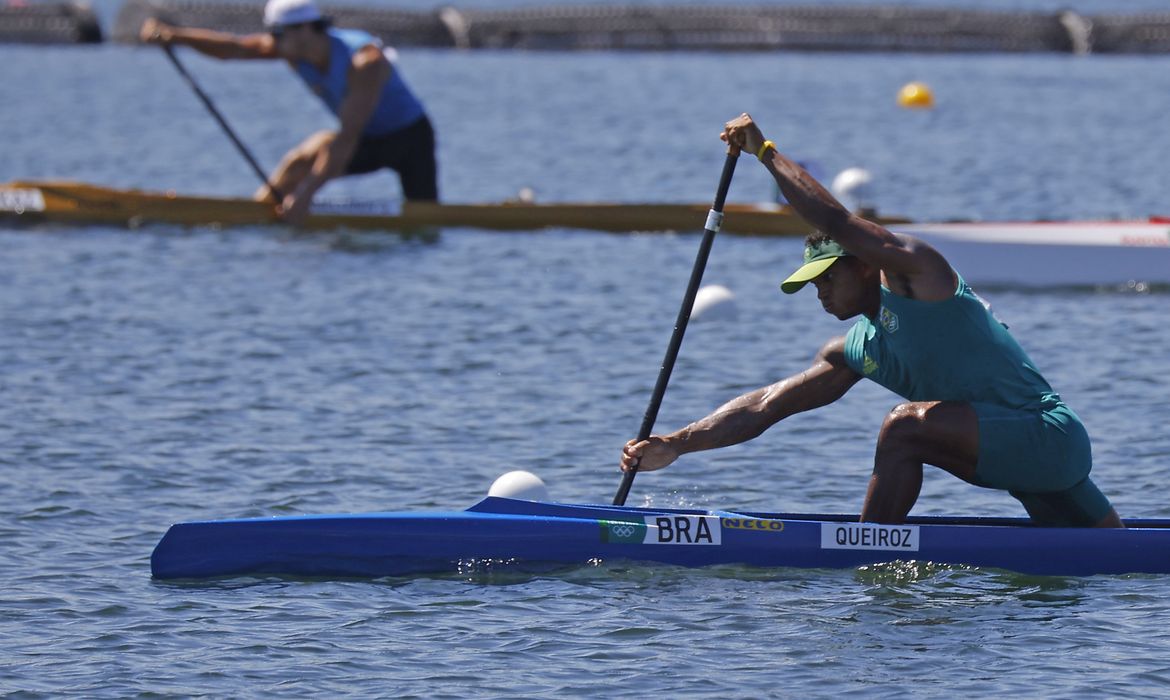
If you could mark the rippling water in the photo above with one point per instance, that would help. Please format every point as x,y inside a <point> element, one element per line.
<point>165,374</point>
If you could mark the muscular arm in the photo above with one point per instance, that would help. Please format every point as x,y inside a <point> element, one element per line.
<point>748,416</point>
<point>212,43</point>
<point>910,267</point>
<point>867,240</point>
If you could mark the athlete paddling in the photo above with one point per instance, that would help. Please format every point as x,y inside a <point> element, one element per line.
<point>382,123</point>
<point>976,405</point>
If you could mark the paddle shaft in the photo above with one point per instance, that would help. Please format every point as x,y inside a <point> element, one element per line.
<point>714,219</point>
<point>222,122</point>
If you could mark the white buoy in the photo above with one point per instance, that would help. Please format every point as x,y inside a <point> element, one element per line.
<point>520,484</point>
<point>714,301</point>
<point>854,187</point>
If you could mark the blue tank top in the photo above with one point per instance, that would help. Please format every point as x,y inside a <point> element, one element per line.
<point>397,107</point>
<point>951,350</point>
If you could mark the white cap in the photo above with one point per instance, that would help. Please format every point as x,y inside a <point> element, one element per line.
<point>281,13</point>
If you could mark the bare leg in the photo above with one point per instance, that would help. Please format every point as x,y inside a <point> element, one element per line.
<point>295,165</point>
<point>943,434</point>
<point>1111,520</point>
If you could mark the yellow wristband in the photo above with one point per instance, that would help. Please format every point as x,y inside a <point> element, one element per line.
<point>764,149</point>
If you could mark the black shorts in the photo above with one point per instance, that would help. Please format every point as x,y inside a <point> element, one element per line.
<point>410,152</point>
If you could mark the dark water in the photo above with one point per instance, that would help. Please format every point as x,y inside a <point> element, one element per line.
<point>164,374</point>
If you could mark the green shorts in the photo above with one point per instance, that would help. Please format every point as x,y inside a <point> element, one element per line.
<point>1043,458</point>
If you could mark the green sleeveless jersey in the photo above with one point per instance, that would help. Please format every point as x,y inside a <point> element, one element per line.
<point>951,350</point>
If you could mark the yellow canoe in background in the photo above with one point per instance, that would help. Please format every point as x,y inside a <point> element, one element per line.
<point>78,203</point>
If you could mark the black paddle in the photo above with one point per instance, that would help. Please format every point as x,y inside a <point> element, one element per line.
<point>222,122</point>
<point>714,220</point>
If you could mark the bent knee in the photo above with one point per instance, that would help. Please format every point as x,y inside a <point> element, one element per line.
<point>905,420</point>
<point>901,432</point>
<point>937,429</point>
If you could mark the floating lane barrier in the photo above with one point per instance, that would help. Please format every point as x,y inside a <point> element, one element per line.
<point>395,27</point>
<point>48,23</point>
<point>697,27</point>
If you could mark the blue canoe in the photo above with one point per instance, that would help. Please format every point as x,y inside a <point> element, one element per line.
<point>526,533</point>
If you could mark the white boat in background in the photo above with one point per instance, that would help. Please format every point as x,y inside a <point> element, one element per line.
<point>1028,253</point>
<point>1054,253</point>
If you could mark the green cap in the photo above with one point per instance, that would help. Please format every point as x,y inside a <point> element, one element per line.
<point>818,257</point>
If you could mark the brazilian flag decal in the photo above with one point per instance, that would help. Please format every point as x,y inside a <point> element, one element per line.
<point>620,531</point>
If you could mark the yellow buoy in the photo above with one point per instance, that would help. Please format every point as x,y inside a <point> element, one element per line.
<point>915,96</point>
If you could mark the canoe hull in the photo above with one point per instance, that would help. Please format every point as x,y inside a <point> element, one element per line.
<point>1053,254</point>
<point>77,203</point>
<point>1036,254</point>
<point>526,535</point>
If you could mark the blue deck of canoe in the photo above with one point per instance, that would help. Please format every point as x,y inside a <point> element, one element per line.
<point>526,533</point>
